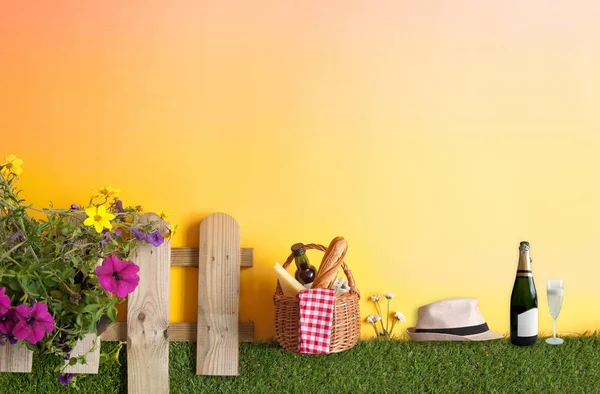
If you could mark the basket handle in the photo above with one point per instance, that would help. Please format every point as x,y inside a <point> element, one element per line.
<point>351,282</point>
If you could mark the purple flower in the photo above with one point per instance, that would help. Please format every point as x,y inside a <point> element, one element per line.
<point>105,240</point>
<point>107,236</point>
<point>118,277</point>
<point>139,235</point>
<point>74,207</point>
<point>11,339</point>
<point>64,379</point>
<point>8,337</point>
<point>18,236</point>
<point>32,322</point>
<point>4,302</point>
<point>119,206</point>
<point>155,238</point>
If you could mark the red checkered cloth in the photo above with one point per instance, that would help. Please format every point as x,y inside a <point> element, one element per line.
<point>316,320</point>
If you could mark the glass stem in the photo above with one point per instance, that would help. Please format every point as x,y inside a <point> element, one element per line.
<point>554,328</point>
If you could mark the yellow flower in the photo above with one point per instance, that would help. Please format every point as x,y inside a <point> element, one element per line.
<point>107,191</point>
<point>99,218</point>
<point>171,232</point>
<point>163,214</point>
<point>12,166</point>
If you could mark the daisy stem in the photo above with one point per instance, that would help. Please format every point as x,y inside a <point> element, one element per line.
<point>380,321</point>
<point>376,332</point>
<point>387,317</point>
<point>393,325</point>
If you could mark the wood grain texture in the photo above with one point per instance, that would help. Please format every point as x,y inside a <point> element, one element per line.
<point>148,319</point>
<point>218,296</point>
<point>90,344</point>
<point>15,358</point>
<point>178,332</point>
<point>188,257</point>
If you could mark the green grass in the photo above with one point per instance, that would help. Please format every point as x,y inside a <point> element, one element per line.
<point>370,367</point>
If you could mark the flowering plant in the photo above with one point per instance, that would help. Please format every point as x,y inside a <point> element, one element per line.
<point>386,330</point>
<point>62,270</point>
<point>340,286</point>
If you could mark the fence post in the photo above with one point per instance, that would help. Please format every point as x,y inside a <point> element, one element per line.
<point>148,318</point>
<point>218,296</point>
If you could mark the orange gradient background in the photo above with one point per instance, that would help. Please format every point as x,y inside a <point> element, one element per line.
<point>433,136</point>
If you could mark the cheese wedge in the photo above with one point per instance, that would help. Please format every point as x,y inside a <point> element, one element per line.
<point>289,285</point>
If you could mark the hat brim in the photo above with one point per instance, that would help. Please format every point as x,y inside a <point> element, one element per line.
<point>430,336</point>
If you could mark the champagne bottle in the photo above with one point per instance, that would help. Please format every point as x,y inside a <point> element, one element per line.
<point>305,272</point>
<point>524,302</point>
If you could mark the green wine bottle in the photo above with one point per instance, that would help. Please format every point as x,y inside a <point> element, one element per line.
<point>524,302</point>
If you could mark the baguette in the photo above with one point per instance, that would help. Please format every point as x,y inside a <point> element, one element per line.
<point>332,260</point>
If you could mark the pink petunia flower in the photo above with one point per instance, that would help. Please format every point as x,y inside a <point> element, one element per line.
<point>32,322</point>
<point>4,302</point>
<point>118,277</point>
<point>7,322</point>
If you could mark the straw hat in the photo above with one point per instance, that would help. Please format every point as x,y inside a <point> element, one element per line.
<point>457,319</point>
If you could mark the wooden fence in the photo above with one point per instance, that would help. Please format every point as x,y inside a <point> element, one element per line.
<point>148,331</point>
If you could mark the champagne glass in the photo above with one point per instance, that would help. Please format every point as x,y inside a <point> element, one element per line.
<point>555,290</point>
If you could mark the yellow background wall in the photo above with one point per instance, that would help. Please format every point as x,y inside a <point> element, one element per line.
<point>434,136</point>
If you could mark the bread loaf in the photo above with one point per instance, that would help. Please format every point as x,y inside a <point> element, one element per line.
<point>332,260</point>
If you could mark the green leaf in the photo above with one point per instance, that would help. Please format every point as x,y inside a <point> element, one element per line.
<point>14,285</point>
<point>112,313</point>
<point>91,308</point>
<point>37,266</point>
<point>50,282</point>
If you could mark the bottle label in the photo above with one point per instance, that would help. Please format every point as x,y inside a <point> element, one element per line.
<point>527,323</point>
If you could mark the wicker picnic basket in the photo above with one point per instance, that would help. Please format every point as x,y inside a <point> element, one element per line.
<point>345,331</point>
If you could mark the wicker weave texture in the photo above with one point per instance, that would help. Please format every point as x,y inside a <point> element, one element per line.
<point>345,331</point>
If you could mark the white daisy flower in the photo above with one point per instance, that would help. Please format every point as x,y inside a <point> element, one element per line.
<point>340,286</point>
<point>375,298</point>
<point>389,296</point>
<point>373,319</point>
<point>400,317</point>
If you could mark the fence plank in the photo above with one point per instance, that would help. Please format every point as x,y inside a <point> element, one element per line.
<point>218,296</point>
<point>90,344</point>
<point>188,257</point>
<point>15,358</point>
<point>186,332</point>
<point>148,320</point>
